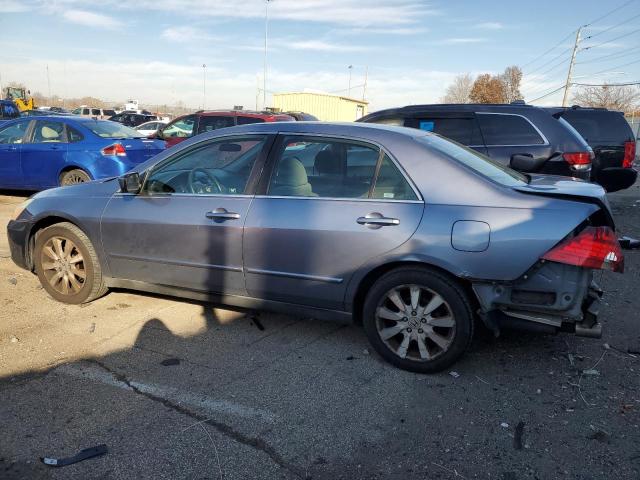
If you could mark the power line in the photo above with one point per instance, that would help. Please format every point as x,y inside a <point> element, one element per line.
<point>612,27</point>
<point>614,68</point>
<point>612,56</point>
<point>609,13</point>
<point>636,82</point>
<point>548,51</point>
<point>564,52</point>
<point>547,94</point>
<point>611,40</point>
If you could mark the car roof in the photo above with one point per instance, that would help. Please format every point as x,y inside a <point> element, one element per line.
<point>518,108</point>
<point>578,108</point>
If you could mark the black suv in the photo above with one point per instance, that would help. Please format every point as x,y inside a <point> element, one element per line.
<point>525,137</point>
<point>612,140</point>
<point>133,119</point>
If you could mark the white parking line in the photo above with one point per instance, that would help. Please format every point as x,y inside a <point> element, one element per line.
<point>202,402</point>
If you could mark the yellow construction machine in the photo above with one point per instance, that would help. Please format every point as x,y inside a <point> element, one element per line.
<point>19,97</point>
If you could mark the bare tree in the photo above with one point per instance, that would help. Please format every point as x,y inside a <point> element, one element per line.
<point>488,89</point>
<point>459,90</point>
<point>511,78</point>
<point>622,98</point>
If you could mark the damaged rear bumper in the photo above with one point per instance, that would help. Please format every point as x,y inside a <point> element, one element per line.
<point>550,298</point>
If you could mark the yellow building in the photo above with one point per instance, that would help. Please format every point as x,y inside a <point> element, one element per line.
<point>324,106</point>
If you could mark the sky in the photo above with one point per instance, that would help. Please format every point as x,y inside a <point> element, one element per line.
<point>408,50</point>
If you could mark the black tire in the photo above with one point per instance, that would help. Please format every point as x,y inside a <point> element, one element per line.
<point>403,282</point>
<point>73,177</point>
<point>74,240</point>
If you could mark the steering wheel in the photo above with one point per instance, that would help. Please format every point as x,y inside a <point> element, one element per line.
<point>193,180</point>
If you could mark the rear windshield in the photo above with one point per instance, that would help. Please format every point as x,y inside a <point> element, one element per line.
<point>600,126</point>
<point>109,112</point>
<point>108,129</point>
<point>476,161</point>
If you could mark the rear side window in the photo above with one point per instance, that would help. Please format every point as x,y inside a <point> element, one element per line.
<point>73,135</point>
<point>599,126</point>
<point>95,111</point>
<point>247,120</point>
<point>461,130</point>
<point>85,111</point>
<point>505,129</point>
<point>109,112</point>
<point>390,184</point>
<point>208,123</point>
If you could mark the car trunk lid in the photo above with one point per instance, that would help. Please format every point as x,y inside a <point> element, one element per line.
<point>139,150</point>
<point>568,189</point>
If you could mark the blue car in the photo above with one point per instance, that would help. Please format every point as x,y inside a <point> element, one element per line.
<point>37,153</point>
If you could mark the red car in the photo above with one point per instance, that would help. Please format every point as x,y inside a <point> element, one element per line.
<point>187,126</point>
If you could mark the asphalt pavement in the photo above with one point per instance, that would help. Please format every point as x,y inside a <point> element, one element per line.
<point>181,390</point>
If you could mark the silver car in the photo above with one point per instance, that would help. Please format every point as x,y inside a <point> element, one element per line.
<point>410,234</point>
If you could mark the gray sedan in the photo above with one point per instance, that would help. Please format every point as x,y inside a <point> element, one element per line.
<point>410,234</point>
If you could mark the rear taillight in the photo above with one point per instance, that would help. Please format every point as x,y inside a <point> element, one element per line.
<point>578,160</point>
<point>629,154</point>
<point>593,247</point>
<point>116,149</point>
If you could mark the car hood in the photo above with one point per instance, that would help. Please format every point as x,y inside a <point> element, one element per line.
<point>97,188</point>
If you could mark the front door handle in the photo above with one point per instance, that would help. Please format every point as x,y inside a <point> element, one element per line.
<point>222,214</point>
<point>377,220</point>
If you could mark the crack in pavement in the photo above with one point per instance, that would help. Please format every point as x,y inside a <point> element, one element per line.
<point>254,442</point>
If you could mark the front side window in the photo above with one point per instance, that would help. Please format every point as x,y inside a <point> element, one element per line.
<point>332,168</point>
<point>182,127</point>
<point>85,111</point>
<point>46,131</point>
<point>219,167</point>
<point>76,111</point>
<point>208,123</point>
<point>95,111</point>
<point>503,130</point>
<point>13,133</point>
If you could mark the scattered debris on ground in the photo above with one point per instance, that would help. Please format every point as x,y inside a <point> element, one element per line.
<point>168,362</point>
<point>517,437</point>
<point>78,457</point>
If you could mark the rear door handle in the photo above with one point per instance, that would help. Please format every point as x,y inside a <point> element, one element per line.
<point>376,219</point>
<point>222,214</point>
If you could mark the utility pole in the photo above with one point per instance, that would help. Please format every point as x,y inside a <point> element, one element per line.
<point>266,36</point>
<point>350,67</point>
<point>366,78</point>
<point>48,84</point>
<point>573,60</point>
<point>204,85</point>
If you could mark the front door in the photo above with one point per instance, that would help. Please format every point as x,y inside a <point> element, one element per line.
<point>185,228</point>
<point>43,154</point>
<point>330,206</point>
<point>11,138</point>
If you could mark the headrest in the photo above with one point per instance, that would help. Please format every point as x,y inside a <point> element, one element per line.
<point>49,133</point>
<point>328,162</point>
<point>291,172</point>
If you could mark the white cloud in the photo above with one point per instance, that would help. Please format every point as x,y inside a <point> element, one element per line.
<point>490,26</point>
<point>461,40</point>
<point>13,6</point>
<point>90,19</point>
<point>186,34</point>
<point>319,46</point>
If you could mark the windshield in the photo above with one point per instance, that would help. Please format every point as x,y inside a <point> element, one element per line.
<point>476,161</point>
<point>108,129</point>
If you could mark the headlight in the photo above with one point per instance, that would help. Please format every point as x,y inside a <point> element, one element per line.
<point>21,208</point>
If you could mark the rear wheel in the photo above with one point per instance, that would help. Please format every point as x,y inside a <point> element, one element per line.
<point>67,265</point>
<point>74,176</point>
<point>418,319</point>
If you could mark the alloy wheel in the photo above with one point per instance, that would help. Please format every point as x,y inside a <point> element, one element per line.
<point>415,322</point>
<point>73,178</point>
<point>63,265</point>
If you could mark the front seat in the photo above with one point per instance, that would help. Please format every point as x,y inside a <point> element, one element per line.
<point>48,134</point>
<point>291,180</point>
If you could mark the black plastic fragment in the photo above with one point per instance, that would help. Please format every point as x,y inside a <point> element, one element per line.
<point>517,437</point>
<point>168,362</point>
<point>80,456</point>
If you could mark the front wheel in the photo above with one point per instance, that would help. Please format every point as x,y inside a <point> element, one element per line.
<point>418,319</point>
<point>67,265</point>
<point>73,177</point>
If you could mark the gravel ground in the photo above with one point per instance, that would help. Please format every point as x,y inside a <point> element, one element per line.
<point>183,390</point>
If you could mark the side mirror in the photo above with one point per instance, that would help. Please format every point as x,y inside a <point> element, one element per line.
<point>525,163</point>
<point>130,183</point>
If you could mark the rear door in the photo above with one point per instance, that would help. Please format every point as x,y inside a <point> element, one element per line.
<point>461,127</point>
<point>311,228</point>
<point>508,134</point>
<point>11,139</point>
<point>44,153</point>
